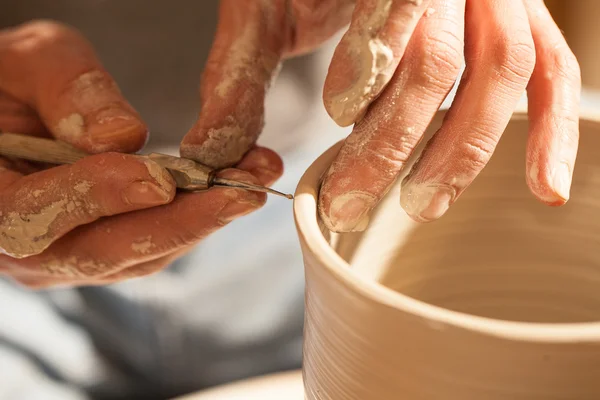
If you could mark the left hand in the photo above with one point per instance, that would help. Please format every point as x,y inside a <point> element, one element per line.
<point>110,216</point>
<point>389,75</point>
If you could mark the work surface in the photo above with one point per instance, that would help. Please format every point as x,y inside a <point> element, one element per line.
<point>286,385</point>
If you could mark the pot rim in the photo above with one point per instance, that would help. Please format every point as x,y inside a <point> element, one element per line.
<point>305,215</point>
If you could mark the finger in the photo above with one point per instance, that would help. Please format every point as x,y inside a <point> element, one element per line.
<point>16,116</point>
<point>145,269</point>
<point>9,174</point>
<point>264,164</point>
<point>112,244</point>
<point>31,280</point>
<point>54,70</point>
<point>379,146</point>
<point>249,43</point>
<point>368,55</point>
<point>313,22</point>
<point>553,94</point>
<point>500,58</point>
<point>39,208</point>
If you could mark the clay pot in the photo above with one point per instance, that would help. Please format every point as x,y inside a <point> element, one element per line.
<point>499,299</point>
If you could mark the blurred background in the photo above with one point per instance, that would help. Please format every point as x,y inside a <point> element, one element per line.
<point>229,310</point>
<point>580,23</point>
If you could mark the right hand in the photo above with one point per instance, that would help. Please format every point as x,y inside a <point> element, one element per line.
<point>389,75</point>
<point>110,216</point>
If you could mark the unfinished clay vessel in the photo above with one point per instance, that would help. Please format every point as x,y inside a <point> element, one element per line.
<point>497,300</point>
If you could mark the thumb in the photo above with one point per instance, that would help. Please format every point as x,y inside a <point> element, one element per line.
<point>248,46</point>
<point>54,70</point>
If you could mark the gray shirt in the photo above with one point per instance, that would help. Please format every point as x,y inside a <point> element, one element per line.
<point>233,307</point>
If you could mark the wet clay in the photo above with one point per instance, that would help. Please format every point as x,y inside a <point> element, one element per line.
<point>248,71</point>
<point>498,299</point>
<point>143,245</point>
<point>26,234</point>
<point>373,60</point>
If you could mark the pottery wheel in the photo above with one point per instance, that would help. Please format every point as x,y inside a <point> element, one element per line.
<point>286,385</point>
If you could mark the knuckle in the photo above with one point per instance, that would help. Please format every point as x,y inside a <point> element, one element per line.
<point>476,152</point>
<point>389,157</point>
<point>394,152</point>
<point>514,56</point>
<point>562,62</point>
<point>441,59</point>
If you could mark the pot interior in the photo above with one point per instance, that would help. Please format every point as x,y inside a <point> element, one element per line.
<point>498,252</point>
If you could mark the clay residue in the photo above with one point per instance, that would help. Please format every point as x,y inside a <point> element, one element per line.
<point>71,126</point>
<point>83,187</point>
<point>349,212</point>
<point>426,202</point>
<point>22,235</point>
<point>244,76</point>
<point>374,62</point>
<point>73,267</point>
<point>223,147</point>
<point>143,245</point>
<point>243,58</point>
<point>158,173</point>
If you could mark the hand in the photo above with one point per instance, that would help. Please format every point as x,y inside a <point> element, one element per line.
<point>110,216</point>
<point>388,76</point>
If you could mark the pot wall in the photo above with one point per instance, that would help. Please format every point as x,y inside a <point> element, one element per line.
<point>499,299</point>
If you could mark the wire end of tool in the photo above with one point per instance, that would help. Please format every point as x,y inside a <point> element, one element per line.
<point>249,186</point>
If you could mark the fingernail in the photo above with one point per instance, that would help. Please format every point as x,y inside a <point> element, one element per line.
<point>144,193</point>
<point>234,210</point>
<point>349,212</point>
<point>117,129</point>
<point>426,202</point>
<point>114,115</point>
<point>562,180</point>
<point>113,123</point>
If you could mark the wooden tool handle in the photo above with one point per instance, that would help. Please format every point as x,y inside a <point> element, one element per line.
<point>188,175</point>
<point>38,149</point>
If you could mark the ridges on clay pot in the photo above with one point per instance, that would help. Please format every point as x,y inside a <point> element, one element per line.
<point>497,300</point>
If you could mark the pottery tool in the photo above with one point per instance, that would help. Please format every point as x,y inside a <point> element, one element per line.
<point>188,174</point>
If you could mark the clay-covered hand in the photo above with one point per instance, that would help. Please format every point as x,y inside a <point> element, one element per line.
<point>390,73</point>
<point>110,216</point>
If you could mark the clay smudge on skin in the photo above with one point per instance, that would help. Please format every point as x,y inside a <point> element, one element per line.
<point>248,70</point>
<point>223,146</point>
<point>349,211</point>
<point>72,267</point>
<point>143,246</point>
<point>426,201</point>
<point>71,126</point>
<point>158,173</point>
<point>83,187</point>
<point>559,177</point>
<point>373,60</point>
<point>65,268</point>
<point>243,57</point>
<point>22,235</point>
